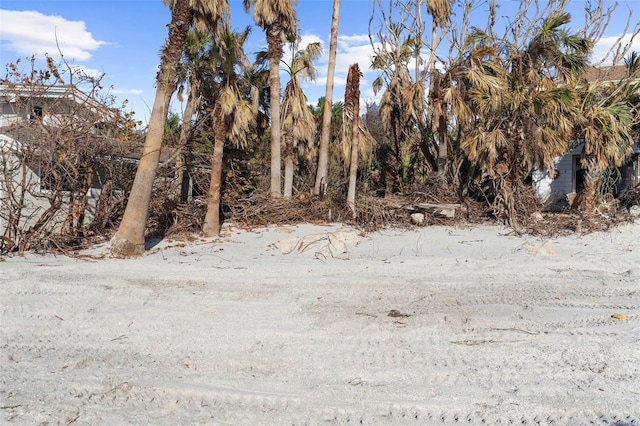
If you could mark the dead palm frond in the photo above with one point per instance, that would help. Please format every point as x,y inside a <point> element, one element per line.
<point>206,13</point>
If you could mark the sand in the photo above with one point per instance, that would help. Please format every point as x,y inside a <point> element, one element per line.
<point>317,324</point>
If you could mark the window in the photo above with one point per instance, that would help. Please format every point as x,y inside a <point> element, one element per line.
<point>36,113</point>
<point>578,175</point>
<point>60,180</point>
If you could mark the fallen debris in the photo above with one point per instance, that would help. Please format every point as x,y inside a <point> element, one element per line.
<point>324,245</point>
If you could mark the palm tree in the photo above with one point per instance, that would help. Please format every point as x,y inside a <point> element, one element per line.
<point>193,63</point>
<point>440,11</point>
<point>278,19</point>
<point>608,113</point>
<point>632,61</point>
<point>336,126</point>
<point>233,112</point>
<point>325,132</point>
<point>297,120</point>
<point>608,143</point>
<point>514,108</point>
<point>129,239</point>
<point>402,104</point>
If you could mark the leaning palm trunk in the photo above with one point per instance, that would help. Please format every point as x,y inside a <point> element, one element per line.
<point>129,239</point>
<point>323,155</point>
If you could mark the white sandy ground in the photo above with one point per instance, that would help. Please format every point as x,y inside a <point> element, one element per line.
<point>489,328</point>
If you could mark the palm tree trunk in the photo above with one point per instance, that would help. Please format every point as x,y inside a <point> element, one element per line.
<point>288,168</point>
<point>442,145</point>
<point>288,177</point>
<point>323,154</point>
<point>353,167</point>
<point>442,124</point>
<point>185,133</point>
<point>129,239</point>
<point>352,106</point>
<point>212,223</point>
<point>591,179</point>
<point>275,55</point>
<point>440,12</point>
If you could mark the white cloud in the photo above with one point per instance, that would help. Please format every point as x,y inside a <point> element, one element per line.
<point>305,40</point>
<point>351,49</point>
<point>606,47</point>
<point>353,40</point>
<point>32,33</point>
<point>89,72</point>
<point>127,91</point>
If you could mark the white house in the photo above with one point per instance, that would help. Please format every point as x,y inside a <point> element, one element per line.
<point>28,113</point>
<point>569,178</point>
<point>20,103</point>
<point>25,113</point>
<point>554,191</point>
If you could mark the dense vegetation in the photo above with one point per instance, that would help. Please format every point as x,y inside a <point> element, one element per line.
<point>466,128</point>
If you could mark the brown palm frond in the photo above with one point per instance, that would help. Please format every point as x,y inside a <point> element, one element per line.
<point>440,10</point>
<point>206,13</point>
<point>297,120</point>
<point>279,13</point>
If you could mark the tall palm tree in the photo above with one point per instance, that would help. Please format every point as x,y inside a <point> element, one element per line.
<point>325,132</point>
<point>233,112</point>
<point>336,126</point>
<point>297,120</point>
<point>129,239</point>
<point>278,19</point>
<point>440,11</point>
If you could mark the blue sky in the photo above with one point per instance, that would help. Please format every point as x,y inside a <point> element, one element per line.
<point>123,38</point>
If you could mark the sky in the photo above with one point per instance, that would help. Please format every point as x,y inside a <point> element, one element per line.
<point>123,39</point>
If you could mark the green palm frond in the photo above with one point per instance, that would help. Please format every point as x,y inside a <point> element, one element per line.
<point>580,45</point>
<point>478,36</point>
<point>378,62</point>
<point>607,137</point>
<point>632,62</point>
<point>301,65</point>
<point>550,27</point>
<point>377,84</point>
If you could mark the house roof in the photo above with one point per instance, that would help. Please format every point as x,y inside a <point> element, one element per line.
<point>607,74</point>
<point>14,138</point>
<point>58,91</point>
<point>8,143</point>
<point>10,93</point>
